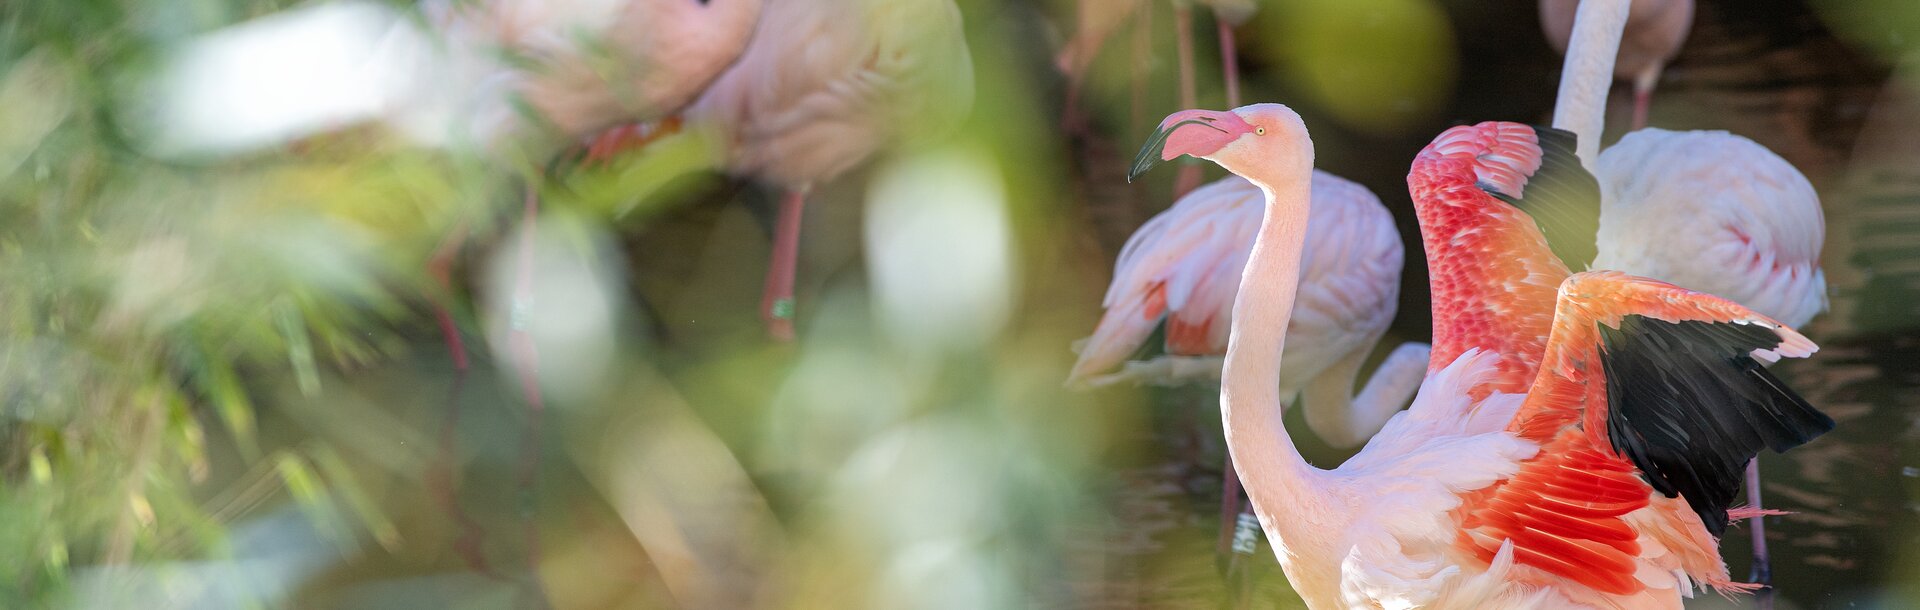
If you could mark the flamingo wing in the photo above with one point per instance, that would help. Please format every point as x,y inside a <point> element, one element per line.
<point>1558,193</point>
<point>1182,267</point>
<point>1349,279</point>
<point>1645,387</point>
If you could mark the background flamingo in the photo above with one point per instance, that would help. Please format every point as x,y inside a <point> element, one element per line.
<point>1182,269</point>
<point>1463,502</point>
<point>1708,210</point>
<point>584,65</point>
<point>1655,31</point>
<point>821,88</point>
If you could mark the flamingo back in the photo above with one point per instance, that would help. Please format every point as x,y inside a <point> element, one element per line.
<point>825,84</point>
<point>1183,269</point>
<point>1717,213</point>
<point>583,65</point>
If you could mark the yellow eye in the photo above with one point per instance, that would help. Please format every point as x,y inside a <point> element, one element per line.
<point>1259,131</point>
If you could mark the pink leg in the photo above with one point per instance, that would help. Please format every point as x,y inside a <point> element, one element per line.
<point>776,303</point>
<point>1188,177</point>
<point>1229,507</point>
<point>1762,567</point>
<point>439,267</point>
<point>1229,61</point>
<point>1142,57</point>
<point>1642,101</point>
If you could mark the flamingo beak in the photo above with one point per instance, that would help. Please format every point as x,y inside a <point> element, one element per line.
<point>1189,132</point>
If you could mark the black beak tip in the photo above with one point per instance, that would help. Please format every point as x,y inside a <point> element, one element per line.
<point>1149,155</point>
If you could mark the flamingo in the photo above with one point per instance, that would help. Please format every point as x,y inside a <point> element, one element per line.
<point>1708,210</point>
<point>1654,33</point>
<point>1601,483</point>
<point>823,86</point>
<point>1182,269</point>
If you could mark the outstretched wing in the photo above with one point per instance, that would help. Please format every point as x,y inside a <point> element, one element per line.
<point>1645,387</point>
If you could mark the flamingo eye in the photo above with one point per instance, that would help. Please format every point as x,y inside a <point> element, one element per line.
<point>1259,131</point>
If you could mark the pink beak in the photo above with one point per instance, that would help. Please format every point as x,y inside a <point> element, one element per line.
<point>1189,132</point>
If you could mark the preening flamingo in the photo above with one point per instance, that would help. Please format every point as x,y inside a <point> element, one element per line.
<point>1655,31</point>
<point>824,85</point>
<point>1601,484</point>
<point>1708,210</point>
<point>1182,269</point>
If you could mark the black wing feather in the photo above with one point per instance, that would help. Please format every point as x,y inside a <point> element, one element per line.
<point>1563,198</point>
<point>1690,406</point>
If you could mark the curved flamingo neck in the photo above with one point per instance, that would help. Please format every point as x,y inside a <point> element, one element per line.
<point>1276,477</point>
<point>1581,106</point>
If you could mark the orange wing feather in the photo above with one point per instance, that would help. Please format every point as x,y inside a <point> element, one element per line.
<point>1566,509</point>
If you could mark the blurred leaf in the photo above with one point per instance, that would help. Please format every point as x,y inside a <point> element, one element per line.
<point>37,98</point>
<point>341,482</point>
<point>1378,66</point>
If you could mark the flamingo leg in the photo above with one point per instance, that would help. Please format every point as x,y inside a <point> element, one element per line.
<point>1229,60</point>
<point>1189,176</point>
<point>776,302</point>
<point>1643,84</point>
<point>1229,511</point>
<point>1642,99</point>
<point>439,268</point>
<point>1762,566</point>
<point>1142,56</point>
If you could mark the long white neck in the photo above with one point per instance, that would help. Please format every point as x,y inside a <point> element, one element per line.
<point>1277,479</point>
<point>1588,74</point>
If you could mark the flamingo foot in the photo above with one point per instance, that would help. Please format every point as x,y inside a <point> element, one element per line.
<point>776,302</point>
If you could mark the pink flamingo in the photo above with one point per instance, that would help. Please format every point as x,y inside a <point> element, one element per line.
<point>1654,33</point>
<point>1599,485</point>
<point>1182,269</point>
<point>824,86</point>
<point>1708,210</point>
<point>575,67</point>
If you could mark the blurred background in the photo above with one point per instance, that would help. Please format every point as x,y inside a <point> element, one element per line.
<point>304,308</point>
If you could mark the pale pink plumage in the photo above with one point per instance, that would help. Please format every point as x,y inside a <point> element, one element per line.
<point>582,65</point>
<point>1717,213</point>
<point>1183,268</point>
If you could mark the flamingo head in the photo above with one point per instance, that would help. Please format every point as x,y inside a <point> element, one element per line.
<point>1242,140</point>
